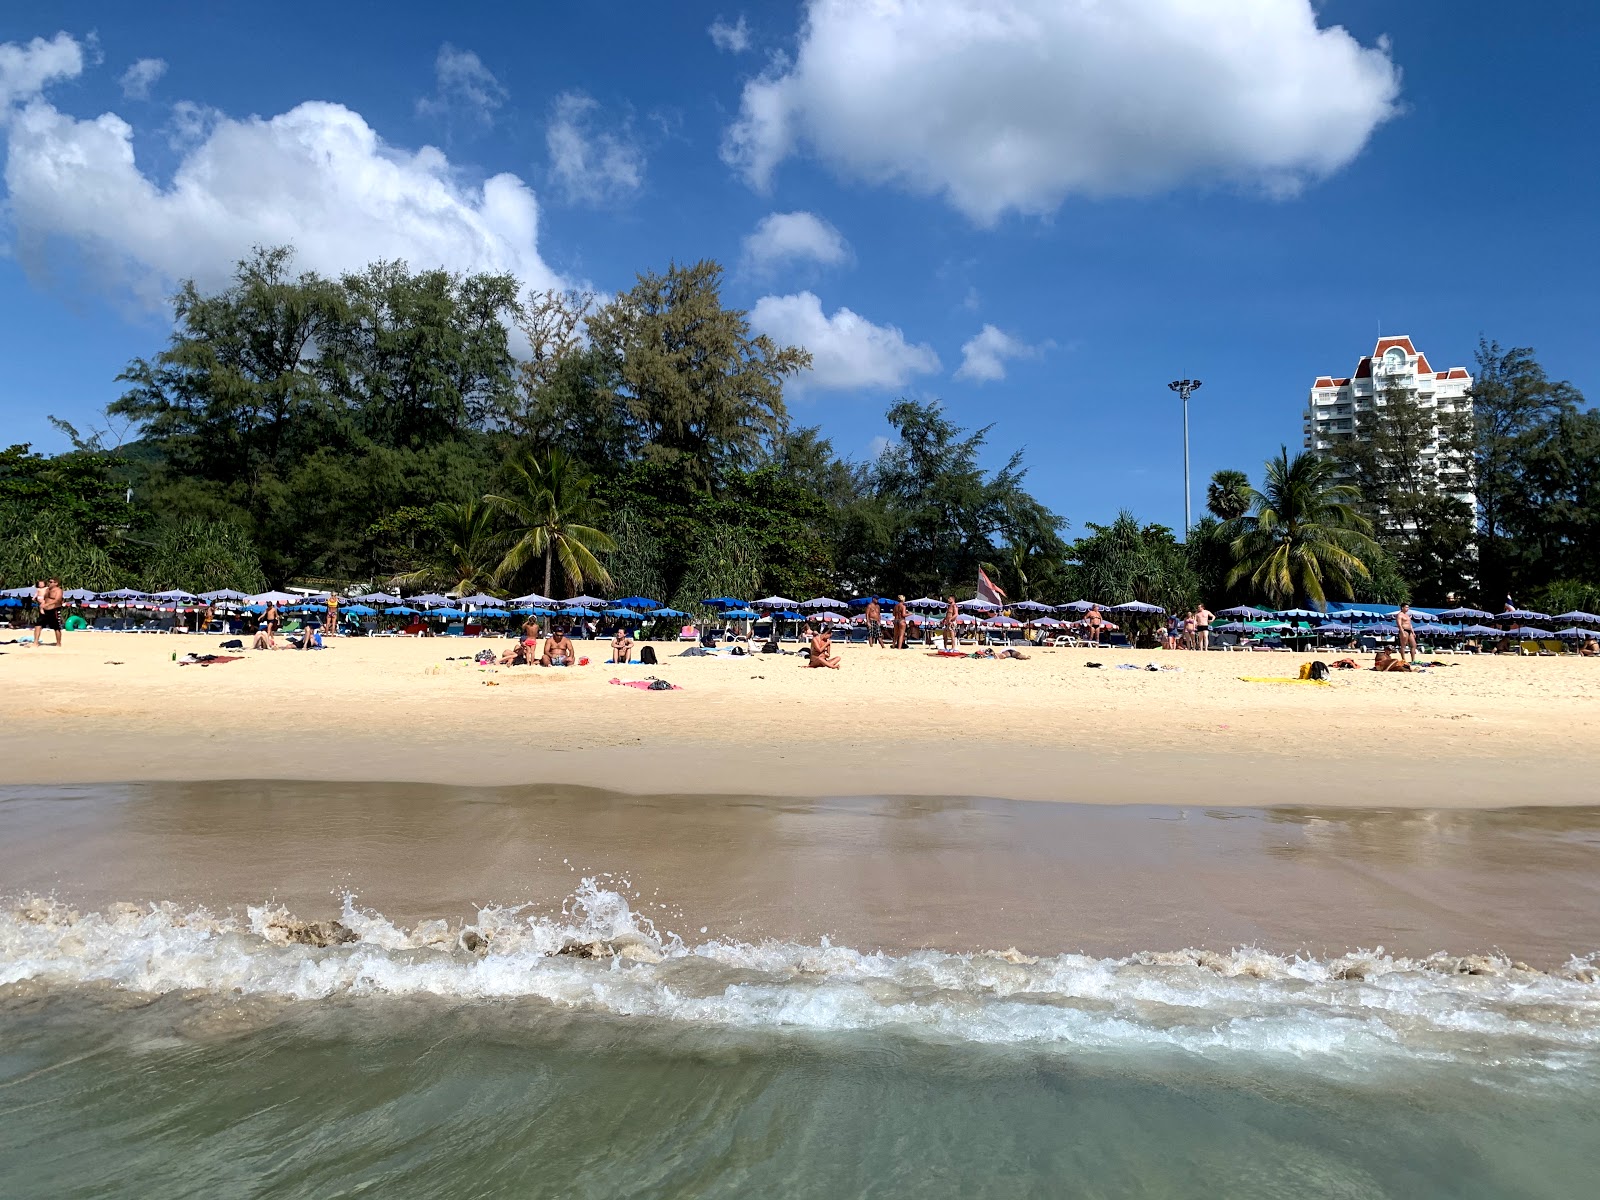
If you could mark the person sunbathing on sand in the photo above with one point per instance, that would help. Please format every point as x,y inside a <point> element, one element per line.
<point>821,651</point>
<point>998,654</point>
<point>558,650</point>
<point>621,646</point>
<point>1387,660</point>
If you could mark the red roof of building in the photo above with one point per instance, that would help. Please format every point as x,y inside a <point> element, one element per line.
<point>1323,381</point>
<point>1340,382</point>
<point>1385,343</point>
<point>1456,373</point>
<point>1422,363</point>
<point>1364,368</point>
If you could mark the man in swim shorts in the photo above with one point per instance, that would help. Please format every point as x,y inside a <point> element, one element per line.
<point>1094,620</point>
<point>558,650</point>
<point>874,617</point>
<point>1203,617</point>
<point>49,599</point>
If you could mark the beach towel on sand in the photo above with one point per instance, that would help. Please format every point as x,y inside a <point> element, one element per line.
<point>1283,679</point>
<point>649,685</point>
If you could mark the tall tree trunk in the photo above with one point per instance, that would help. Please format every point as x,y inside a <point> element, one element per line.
<point>549,562</point>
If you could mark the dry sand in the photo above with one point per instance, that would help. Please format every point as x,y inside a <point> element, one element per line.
<point>1481,732</point>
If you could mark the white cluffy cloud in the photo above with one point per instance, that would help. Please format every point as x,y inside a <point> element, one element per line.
<point>463,87</point>
<point>735,38</point>
<point>317,177</point>
<point>847,350</point>
<point>1013,105</point>
<point>138,79</point>
<point>795,237</point>
<point>591,165</point>
<point>984,355</point>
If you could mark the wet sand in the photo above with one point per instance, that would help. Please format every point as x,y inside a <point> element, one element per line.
<point>874,873</point>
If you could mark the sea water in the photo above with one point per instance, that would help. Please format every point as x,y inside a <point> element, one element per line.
<point>159,1050</point>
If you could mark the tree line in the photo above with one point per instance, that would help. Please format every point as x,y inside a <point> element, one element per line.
<point>401,428</point>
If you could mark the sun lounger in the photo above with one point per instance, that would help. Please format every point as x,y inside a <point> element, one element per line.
<point>688,634</point>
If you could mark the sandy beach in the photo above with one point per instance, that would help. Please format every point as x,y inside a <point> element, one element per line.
<point>1479,732</point>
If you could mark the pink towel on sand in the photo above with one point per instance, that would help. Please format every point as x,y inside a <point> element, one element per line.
<point>645,685</point>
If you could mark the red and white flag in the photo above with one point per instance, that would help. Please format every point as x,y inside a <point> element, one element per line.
<point>988,590</point>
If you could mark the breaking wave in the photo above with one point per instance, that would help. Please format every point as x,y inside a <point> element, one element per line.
<point>599,955</point>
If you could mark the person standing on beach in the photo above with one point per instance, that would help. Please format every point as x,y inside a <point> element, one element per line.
<point>1408,632</point>
<point>899,626</point>
<point>48,597</point>
<point>1191,630</point>
<point>332,623</point>
<point>874,623</point>
<point>952,614</point>
<point>270,620</point>
<point>1094,620</point>
<point>1203,617</point>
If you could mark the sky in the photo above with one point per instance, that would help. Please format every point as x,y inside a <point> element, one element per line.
<point>1038,212</point>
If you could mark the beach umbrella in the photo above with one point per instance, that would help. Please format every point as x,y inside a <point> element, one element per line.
<point>775,602</point>
<point>827,618</point>
<point>1466,614</point>
<point>571,610</point>
<point>1004,622</point>
<point>1246,612</point>
<point>1136,606</point>
<point>863,601</point>
<point>382,598</point>
<point>130,594</point>
<point>976,605</point>
<point>272,598</point>
<point>798,616</point>
<point>1049,623</point>
<point>740,614</point>
<point>359,610</point>
<point>823,602</point>
<point>1336,627</point>
<point>1031,606</point>
<point>532,598</point>
<point>724,602</point>
<point>222,594</point>
<point>1481,631</point>
<point>494,613</point>
<point>925,602</point>
<point>405,610</point>
<point>21,593</point>
<point>1530,631</point>
<point>78,595</point>
<point>1302,613</point>
<point>668,612</point>
<point>1080,606</point>
<point>447,612</point>
<point>1577,618</point>
<point>625,613</point>
<point>430,600</point>
<point>1574,632</point>
<point>637,602</point>
<point>1522,614</point>
<point>481,599</point>
<point>585,602</point>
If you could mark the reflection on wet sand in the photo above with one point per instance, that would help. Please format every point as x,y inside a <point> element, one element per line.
<point>895,873</point>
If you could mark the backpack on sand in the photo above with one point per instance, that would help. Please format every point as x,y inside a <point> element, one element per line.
<point>647,655</point>
<point>1314,670</point>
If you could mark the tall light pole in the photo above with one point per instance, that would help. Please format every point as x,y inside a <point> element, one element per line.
<point>1184,388</point>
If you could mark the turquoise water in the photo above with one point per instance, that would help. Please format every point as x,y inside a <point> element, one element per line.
<point>153,1051</point>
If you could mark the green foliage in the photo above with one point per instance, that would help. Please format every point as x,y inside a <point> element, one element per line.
<point>1568,595</point>
<point>199,556</point>
<point>1303,536</point>
<point>1126,561</point>
<point>463,552</point>
<point>698,390</point>
<point>723,561</point>
<point>38,543</point>
<point>546,504</point>
<point>1228,495</point>
<point>82,486</point>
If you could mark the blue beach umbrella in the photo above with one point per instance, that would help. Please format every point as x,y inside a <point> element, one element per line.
<point>1577,618</point>
<point>637,602</point>
<point>359,610</point>
<point>1530,631</point>
<point>741,614</point>
<point>572,610</point>
<point>495,613</point>
<point>10,602</point>
<point>668,612</point>
<point>1247,613</point>
<point>1522,614</point>
<point>405,610</point>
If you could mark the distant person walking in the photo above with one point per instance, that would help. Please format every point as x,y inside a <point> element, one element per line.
<point>1408,633</point>
<point>899,625</point>
<point>874,623</point>
<point>48,598</point>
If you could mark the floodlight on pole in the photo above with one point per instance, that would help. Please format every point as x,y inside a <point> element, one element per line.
<point>1184,388</point>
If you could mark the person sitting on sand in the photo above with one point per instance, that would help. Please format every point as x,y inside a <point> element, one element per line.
<point>1387,660</point>
<point>1590,648</point>
<point>558,650</point>
<point>621,646</point>
<point>820,651</point>
<point>263,641</point>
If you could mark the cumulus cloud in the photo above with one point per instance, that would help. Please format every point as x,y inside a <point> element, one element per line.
<point>591,165</point>
<point>847,350</point>
<point>138,79</point>
<point>463,88</point>
<point>795,237</point>
<point>735,38</point>
<point>983,356</point>
<point>1013,105</point>
<point>317,177</point>
<point>25,71</point>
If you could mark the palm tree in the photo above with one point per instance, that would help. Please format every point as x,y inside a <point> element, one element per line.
<point>1228,495</point>
<point>549,498</point>
<point>465,556</point>
<point>1302,534</point>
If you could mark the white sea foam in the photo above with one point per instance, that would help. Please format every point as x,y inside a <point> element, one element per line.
<point>599,954</point>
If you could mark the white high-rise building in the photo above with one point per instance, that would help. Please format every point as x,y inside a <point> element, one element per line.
<point>1332,411</point>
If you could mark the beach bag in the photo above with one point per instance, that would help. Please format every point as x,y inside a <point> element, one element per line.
<point>1319,670</point>
<point>232,644</point>
<point>647,655</point>
<point>660,685</point>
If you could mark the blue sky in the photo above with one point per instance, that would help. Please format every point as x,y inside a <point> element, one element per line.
<point>1038,216</point>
